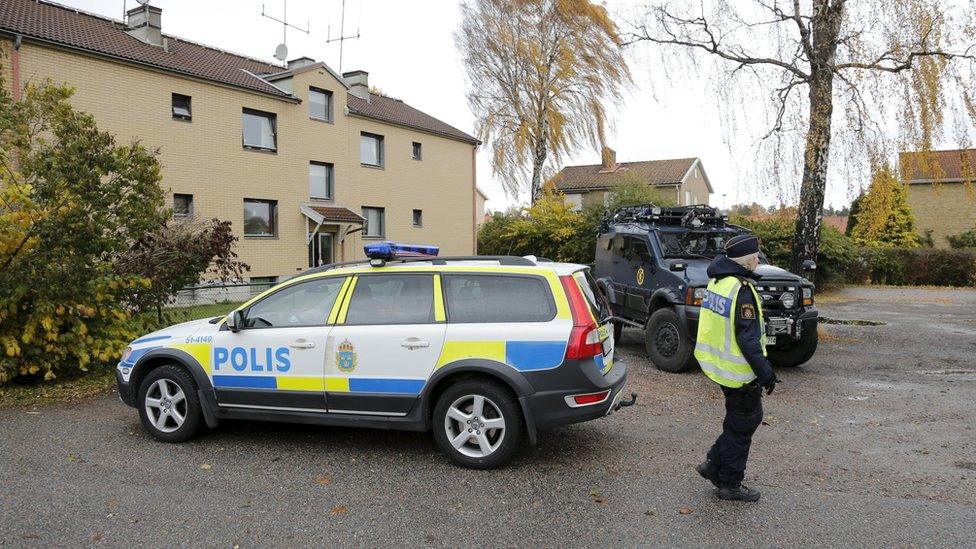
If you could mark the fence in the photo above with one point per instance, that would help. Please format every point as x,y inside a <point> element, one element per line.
<point>203,301</point>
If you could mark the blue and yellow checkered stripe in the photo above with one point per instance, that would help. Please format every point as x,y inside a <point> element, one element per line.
<point>332,384</point>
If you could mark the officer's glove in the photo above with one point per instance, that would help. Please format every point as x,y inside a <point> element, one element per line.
<point>770,385</point>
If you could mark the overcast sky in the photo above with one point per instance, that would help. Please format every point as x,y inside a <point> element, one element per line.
<point>408,49</point>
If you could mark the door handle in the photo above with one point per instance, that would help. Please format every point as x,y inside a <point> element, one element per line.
<point>302,344</point>
<point>414,343</point>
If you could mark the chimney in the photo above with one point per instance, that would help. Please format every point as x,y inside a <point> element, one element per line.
<point>300,62</point>
<point>144,22</point>
<point>609,160</point>
<point>358,82</point>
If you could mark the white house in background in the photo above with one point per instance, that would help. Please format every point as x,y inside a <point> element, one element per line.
<point>683,178</point>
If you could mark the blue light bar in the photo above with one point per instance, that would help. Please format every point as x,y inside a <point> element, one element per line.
<point>391,250</point>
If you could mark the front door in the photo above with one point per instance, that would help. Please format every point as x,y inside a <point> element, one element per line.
<point>385,344</point>
<point>277,359</point>
<point>320,250</point>
<point>639,272</point>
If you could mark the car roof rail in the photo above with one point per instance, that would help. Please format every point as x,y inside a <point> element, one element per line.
<point>504,260</point>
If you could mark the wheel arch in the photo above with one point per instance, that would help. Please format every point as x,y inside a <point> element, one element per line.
<point>163,356</point>
<point>507,376</point>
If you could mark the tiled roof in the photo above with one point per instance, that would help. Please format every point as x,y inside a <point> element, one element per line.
<point>75,29</point>
<point>953,165</point>
<point>338,214</point>
<point>596,177</point>
<point>68,27</point>
<point>395,111</point>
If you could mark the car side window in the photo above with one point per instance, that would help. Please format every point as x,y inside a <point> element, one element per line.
<point>392,299</point>
<point>637,250</point>
<point>302,304</point>
<point>498,298</point>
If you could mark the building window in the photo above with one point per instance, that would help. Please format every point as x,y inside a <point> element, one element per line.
<point>418,151</point>
<point>418,218</point>
<point>259,284</point>
<point>181,107</point>
<point>320,104</point>
<point>371,149</point>
<point>260,130</point>
<point>182,205</point>
<point>375,222</point>
<point>320,176</point>
<point>260,217</point>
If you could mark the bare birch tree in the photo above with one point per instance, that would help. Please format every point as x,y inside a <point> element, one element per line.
<point>891,67</point>
<point>540,72</point>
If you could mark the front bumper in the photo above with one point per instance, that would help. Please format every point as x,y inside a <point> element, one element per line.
<point>548,406</point>
<point>126,393</point>
<point>791,328</point>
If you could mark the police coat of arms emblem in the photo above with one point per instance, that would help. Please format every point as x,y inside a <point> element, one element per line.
<point>346,357</point>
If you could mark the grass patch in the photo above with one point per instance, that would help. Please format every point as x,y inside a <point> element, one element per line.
<point>99,380</point>
<point>174,315</point>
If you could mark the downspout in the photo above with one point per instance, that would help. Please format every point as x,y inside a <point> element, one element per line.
<point>474,202</point>
<point>15,66</point>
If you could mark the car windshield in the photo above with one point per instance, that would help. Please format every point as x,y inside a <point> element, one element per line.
<point>694,243</point>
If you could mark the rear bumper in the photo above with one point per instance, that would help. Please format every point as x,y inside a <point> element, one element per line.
<point>548,406</point>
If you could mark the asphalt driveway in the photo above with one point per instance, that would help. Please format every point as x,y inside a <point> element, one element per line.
<point>872,443</point>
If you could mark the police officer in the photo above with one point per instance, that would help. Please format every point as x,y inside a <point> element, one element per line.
<point>731,349</point>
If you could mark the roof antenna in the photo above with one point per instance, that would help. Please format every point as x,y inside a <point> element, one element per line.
<point>281,52</point>
<point>341,39</point>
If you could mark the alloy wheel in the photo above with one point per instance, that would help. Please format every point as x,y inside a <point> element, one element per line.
<point>475,426</point>
<point>166,405</point>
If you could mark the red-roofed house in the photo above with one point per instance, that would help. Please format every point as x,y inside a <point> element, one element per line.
<point>684,179</point>
<point>941,191</point>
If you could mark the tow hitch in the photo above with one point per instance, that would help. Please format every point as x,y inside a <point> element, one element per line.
<point>625,403</point>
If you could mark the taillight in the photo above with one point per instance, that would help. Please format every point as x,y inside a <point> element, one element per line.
<point>575,401</point>
<point>584,339</point>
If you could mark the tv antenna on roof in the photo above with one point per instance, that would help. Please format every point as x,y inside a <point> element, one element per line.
<point>341,39</point>
<point>281,52</point>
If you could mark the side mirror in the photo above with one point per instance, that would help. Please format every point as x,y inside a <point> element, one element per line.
<point>235,321</point>
<point>809,266</point>
<point>678,266</point>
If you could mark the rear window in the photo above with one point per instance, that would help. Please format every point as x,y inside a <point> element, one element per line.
<point>498,298</point>
<point>594,297</point>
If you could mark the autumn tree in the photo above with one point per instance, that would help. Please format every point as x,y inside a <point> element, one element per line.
<point>540,72</point>
<point>884,219</point>
<point>896,63</point>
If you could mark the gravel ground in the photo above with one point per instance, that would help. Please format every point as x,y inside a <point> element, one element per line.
<point>871,443</point>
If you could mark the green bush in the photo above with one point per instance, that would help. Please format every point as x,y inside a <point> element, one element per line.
<point>966,239</point>
<point>916,267</point>
<point>837,254</point>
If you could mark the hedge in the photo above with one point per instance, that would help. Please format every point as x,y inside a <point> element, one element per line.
<point>915,267</point>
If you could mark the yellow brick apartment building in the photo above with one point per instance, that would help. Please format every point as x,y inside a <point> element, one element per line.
<point>306,164</point>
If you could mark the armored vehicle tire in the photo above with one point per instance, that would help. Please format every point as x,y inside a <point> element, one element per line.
<point>797,353</point>
<point>168,404</point>
<point>618,332</point>
<point>667,342</point>
<point>477,424</point>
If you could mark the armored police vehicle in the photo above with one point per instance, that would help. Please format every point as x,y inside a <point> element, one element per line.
<point>479,350</point>
<point>652,261</point>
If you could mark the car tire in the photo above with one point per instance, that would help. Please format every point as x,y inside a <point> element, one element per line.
<point>667,342</point>
<point>168,404</point>
<point>797,353</point>
<point>457,405</point>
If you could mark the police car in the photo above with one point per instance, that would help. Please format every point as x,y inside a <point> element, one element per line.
<point>480,350</point>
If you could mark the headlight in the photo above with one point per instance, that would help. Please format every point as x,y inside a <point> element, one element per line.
<point>788,299</point>
<point>126,353</point>
<point>700,294</point>
<point>807,296</point>
<point>695,296</point>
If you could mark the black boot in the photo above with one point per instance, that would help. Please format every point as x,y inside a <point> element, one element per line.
<point>740,493</point>
<point>709,472</point>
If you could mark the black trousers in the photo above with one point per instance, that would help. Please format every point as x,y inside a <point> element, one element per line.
<point>743,414</point>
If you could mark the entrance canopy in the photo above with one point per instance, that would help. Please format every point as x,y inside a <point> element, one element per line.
<point>346,220</point>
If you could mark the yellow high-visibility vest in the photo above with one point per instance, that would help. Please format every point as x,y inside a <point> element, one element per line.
<point>716,348</point>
